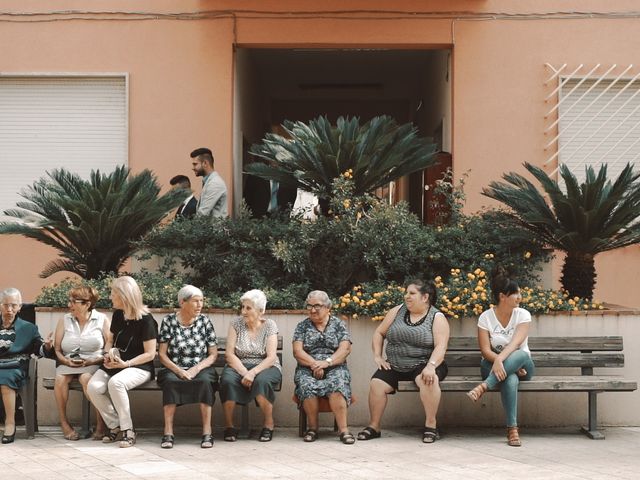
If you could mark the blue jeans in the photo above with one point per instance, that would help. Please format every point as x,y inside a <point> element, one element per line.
<point>509,387</point>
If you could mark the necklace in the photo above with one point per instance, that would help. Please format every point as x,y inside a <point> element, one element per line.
<point>407,318</point>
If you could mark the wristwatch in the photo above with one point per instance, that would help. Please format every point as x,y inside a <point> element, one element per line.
<point>329,360</point>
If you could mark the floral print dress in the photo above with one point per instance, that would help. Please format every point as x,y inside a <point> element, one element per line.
<point>321,345</point>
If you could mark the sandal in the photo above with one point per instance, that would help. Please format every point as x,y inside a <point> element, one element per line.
<point>430,435</point>
<point>167,441</point>
<point>310,435</point>
<point>513,437</point>
<point>73,436</point>
<point>207,441</point>
<point>111,436</point>
<point>128,439</point>
<point>230,434</point>
<point>266,434</point>
<point>347,438</point>
<point>477,392</point>
<point>369,433</point>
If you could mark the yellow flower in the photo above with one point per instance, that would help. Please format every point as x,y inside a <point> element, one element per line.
<point>346,203</point>
<point>438,279</point>
<point>527,254</point>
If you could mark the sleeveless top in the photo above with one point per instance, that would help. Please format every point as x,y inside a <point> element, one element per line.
<point>251,351</point>
<point>409,346</point>
<point>89,342</point>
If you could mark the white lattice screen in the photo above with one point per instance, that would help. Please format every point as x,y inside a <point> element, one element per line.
<point>593,117</point>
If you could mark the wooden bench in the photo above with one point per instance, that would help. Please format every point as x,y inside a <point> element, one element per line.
<point>152,385</point>
<point>581,354</point>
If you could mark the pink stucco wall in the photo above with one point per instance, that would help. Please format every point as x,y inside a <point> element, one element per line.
<point>181,80</point>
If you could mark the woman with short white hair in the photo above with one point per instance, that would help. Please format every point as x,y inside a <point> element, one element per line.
<point>18,340</point>
<point>188,350</point>
<point>128,361</point>
<point>253,370</point>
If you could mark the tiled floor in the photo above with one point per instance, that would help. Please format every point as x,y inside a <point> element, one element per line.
<point>399,454</point>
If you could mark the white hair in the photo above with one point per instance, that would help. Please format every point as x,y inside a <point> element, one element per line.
<point>11,292</point>
<point>257,298</point>
<point>187,292</point>
<point>320,295</point>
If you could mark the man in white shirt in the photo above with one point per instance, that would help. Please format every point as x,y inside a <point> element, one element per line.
<point>187,209</point>
<point>213,199</point>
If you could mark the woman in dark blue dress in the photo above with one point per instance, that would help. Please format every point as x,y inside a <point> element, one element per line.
<point>18,340</point>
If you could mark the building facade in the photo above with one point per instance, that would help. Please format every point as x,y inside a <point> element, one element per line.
<point>495,82</point>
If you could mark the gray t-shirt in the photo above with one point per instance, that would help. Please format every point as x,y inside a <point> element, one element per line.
<point>252,350</point>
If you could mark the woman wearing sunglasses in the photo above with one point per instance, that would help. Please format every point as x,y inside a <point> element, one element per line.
<point>128,361</point>
<point>79,341</point>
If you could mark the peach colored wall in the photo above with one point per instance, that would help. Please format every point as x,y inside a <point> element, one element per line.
<point>181,85</point>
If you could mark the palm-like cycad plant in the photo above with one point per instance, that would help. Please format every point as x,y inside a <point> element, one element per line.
<point>91,223</point>
<point>314,154</point>
<point>591,217</point>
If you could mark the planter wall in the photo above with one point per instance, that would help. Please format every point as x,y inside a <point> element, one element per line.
<point>536,409</point>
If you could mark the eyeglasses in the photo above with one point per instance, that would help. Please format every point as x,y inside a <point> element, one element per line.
<point>13,306</point>
<point>315,306</point>
<point>80,302</point>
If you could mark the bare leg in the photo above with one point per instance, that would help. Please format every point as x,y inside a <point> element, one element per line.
<point>61,392</point>
<point>206,415</point>
<point>9,401</point>
<point>267,411</point>
<point>378,391</point>
<point>228,407</point>
<point>430,397</point>
<point>310,406</point>
<point>169,412</point>
<point>339,408</point>
<point>101,428</point>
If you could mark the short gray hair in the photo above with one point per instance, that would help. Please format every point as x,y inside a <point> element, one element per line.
<point>257,297</point>
<point>187,292</point>
<point>320,295</point>
<point>11,292</point>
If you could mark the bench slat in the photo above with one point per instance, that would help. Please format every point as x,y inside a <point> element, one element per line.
<point>554,383</point>
<point>607,343</point>
<point>545,359</point>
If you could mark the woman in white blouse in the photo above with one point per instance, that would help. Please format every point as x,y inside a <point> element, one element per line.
<point>79,340</point>
<point>506,360</point>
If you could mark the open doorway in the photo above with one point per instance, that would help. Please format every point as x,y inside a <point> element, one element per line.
<point>273,85</point>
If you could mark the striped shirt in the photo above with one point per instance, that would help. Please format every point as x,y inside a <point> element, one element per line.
<point>409,346</point>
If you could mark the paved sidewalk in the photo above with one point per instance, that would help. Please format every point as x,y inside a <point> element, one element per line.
<point>460,454</point>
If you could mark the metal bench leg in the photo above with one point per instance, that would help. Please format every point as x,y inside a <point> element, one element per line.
<point>28,396</point>
<point>592,430</point>
<point>244,423</point>
<point>86,417</point>
<point>302,421</point>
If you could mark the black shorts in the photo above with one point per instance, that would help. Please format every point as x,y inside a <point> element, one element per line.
<point>392,377</point>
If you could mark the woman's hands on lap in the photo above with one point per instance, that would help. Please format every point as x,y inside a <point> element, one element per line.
<point>381,363</point>
<point>498,369</point>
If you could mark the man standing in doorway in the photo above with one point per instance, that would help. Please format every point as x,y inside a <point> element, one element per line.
<point>187,209</point>
<point>213,199</point>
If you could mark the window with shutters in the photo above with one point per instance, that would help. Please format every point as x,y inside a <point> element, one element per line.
<point>48,122</point>
<point>593,117</point>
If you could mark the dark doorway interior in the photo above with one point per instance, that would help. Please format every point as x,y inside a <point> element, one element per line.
<point>300,84</point>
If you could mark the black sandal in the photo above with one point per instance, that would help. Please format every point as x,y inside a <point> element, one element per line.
<point>230,434</point>
<point>167,441</point>
<point>430,435</point>
<point>266,434</point>
<point>207,441</point>
<point>347,438</point>
<point>368,433</point>
<point>111,436</point>
<point>310,435</point>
